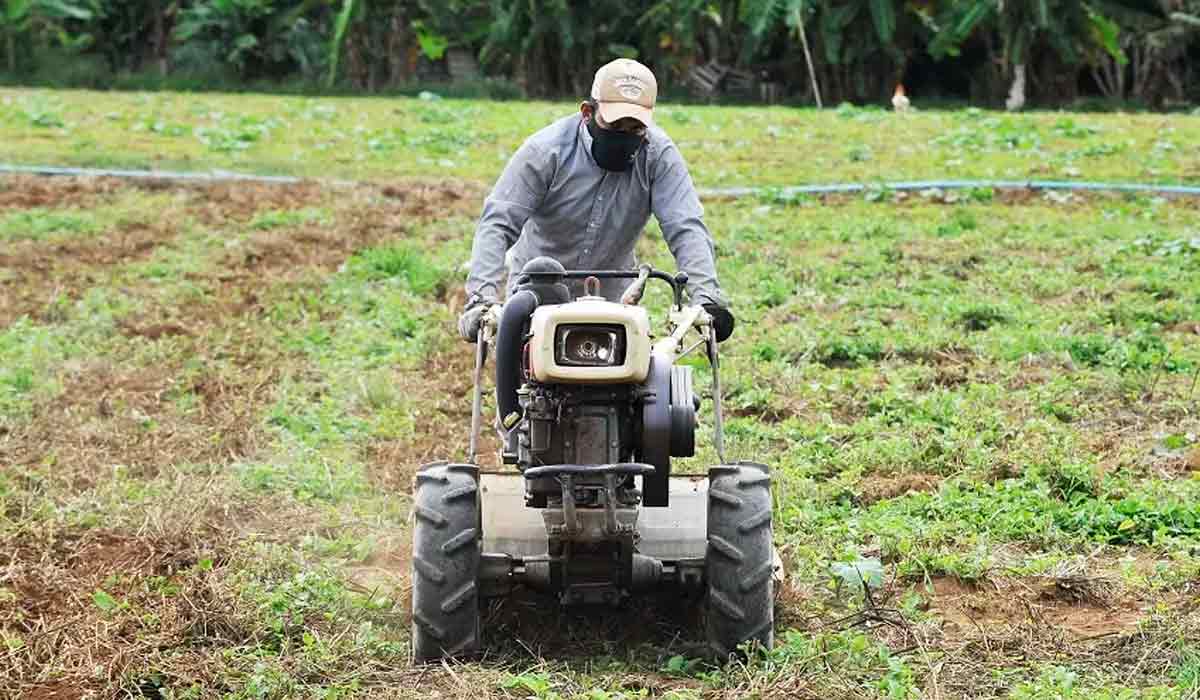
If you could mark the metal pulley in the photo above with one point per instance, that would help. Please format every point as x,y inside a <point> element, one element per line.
<point>668,425</point>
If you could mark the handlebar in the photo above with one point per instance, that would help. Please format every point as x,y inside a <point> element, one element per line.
<point>682,317</point>
<point>678,281</point>
<point>632,294</point>
<point>685,318</point>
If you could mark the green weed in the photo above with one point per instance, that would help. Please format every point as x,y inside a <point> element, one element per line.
<point>1187,669</point>
<point>43,113</point>
<point>400,262</point>
<point>961,221</point>
<point>235,132</point>
<point>267,220</point>
<point>38,224</point>
<point>161,128</point>
<point>313,477</point>
<point>1141,351</point>
<point>537,685</point>
<point>1062,683</point>
<point>28,356</point>
<point>785,197</point>
<point>853,656</point>
<point>848,351</point>
<point>981,317</point>
<point>1071,482</point>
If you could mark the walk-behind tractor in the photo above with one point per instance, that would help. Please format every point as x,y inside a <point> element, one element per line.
<point>590,410</point>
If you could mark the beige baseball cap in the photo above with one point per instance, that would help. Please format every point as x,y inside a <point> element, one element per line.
<point>625,88</point>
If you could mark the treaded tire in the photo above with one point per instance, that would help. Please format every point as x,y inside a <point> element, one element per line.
<point>740,558</point>
<point>445,562</point>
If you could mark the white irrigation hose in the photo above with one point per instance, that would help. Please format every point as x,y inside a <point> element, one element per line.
<point>847,188</point>
<point>213,176</point>
<point>920,185</point>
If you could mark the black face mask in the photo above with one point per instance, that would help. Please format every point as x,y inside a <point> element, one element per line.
<point>613,150</point>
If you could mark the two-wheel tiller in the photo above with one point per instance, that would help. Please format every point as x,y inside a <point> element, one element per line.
<point>591,409</point>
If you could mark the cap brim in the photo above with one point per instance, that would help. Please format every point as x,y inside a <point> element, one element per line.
<point>612,112</point>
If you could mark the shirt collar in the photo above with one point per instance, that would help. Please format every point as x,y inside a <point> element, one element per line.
<point>585,138</point>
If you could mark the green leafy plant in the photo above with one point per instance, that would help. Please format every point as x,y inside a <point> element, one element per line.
<point>255,37</point>
<point>23,22</point>
<point>981,317</point>
<point>859,574</point>
<point>432,44</point>
<point>105,602</point>
<point>679,665</point>
<point>537,684</point>
<point>848,351</point>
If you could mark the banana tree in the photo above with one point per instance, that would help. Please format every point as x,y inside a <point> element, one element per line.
<point>22,22</point>
<point>762,16</point>
<point>1156,36</point>
<point>859,47</point>
<point>130,33</point>
<point>255,37</point>
<point>674,32</point>
<point>384,38</point>
<point>796,21</point>
<point>1073,30</point>
<point>376,37</point>
<point>532,39</point>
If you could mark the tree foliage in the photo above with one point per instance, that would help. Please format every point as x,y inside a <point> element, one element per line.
<point>253,37</point>
<point>24,22</point>
<point>1145,50</point>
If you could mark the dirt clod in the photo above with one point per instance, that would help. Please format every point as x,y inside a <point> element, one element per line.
<point>873,489</point>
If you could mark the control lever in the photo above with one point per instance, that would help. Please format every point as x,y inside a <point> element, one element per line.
<point>633,293</point>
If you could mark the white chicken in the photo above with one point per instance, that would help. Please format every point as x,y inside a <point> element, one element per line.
<point>900,100</point>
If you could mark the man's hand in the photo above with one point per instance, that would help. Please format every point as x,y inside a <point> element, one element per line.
<point>722,321</point>
<point>472,316</point>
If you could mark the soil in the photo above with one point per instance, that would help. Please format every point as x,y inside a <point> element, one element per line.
<point>876,488</point>
<point>75,647</point>
<point>139,417</point>
<point>1082,608</point>
<point>55,691</point>
<point>128,417</point>
<point>29,192</point>
<point>36,276</point>
<point>199,401</point>
<point>1185,327</point>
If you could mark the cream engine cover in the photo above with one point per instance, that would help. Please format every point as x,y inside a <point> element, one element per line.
<point>590,311</point>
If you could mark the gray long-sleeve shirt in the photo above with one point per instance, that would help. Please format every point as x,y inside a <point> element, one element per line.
<point>552,199</point>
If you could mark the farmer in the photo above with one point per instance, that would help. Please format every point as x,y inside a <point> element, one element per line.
<point>581,191</point>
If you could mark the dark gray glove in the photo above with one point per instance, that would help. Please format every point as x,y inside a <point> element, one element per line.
<point>722,321</point>
<point>472,316</point>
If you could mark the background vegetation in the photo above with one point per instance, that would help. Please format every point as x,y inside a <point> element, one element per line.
<point>986,51</point>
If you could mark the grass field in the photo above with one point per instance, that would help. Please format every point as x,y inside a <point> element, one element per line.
<point>373,138</point>
<point>980,407</point>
